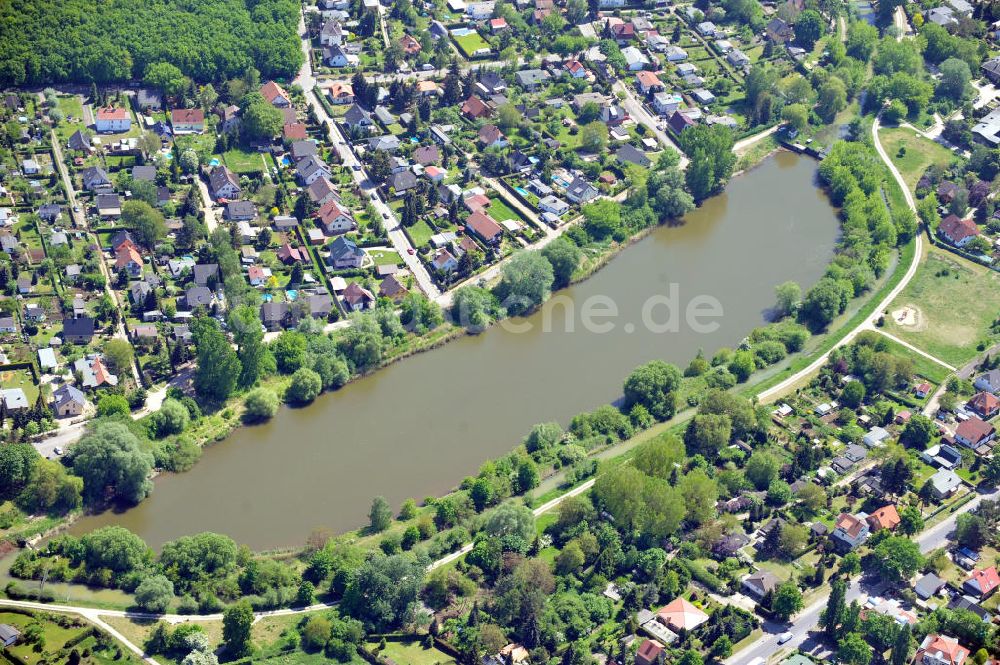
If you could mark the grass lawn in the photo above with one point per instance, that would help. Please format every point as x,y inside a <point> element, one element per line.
<point>56,635</point>
<point>919,153</point>
<point>20,378</point>
<point>925,367</point>
<point>499,210</point>
<point>203,144</point>
<point>241,161</point>
<point>383,257</point>
<point>413,653</point>
<point>420,233</point>
<point>955,300</point>
<point>469,44</point>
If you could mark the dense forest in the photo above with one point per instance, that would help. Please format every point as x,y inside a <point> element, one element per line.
<point>50,41</point>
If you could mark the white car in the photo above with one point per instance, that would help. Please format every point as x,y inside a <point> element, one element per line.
<point>784,637</point>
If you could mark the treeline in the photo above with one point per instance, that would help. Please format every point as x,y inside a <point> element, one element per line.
<point>49,41</point>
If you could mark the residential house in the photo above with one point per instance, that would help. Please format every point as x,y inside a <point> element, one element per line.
<point>678,122</point>
<point>991,70</point>
<point>94,372</point>
<point>850,530</point>
<point>634,59</point>
<point>299,150</point>
<point>738,58</point>
<point>335,218</point>
<point>958,232</point>
<point>444,261</point>
<point>275,95</point>
<point>198,296</point>
<point>760,584</point>
<point>310,169</point>
<point>474,108</point>
<point>409,45</point>
<point>650,652</point>
<point>778,31</point>
<point>928,585</point>
<point>944,483</point>
<point>629,154</point>
<point>275,315</point>
<point>666,103</point>
<point>331,34</point>
<point>985,404</point>
<point>8,324</point>
<point>288,254</point>
<point>982,582</point>
<point>338,56</point>
<point>109,206</point>
<point>187,121</point>
<point>484,227</point>
<point>402,182</point>
<point>68,401</point>
<point>427,154</point>
<point>975,433</point>
<point>876,436</point>
<point>357,298</point>
<point>942,456</point>
<point>14,399</point>
<point>345,253</point>
<point>341,93</point>
<point>110,120</point>
<point>224,184</point>
<point>648,82</point>
<point>387,143</point>
<point>943,16</point>
<point>206,274</point>
<point>675,54</point>
<point>127,258</point>
<point>886,517</point>
<point>707,29</point>
<point>392,288</point>
<point>490,136</point>
<point>240,211</point>
<point>79,330</point>
<point>95,178</point>
<point>988,381</point>
<point>680,614</point>
<point>321,190</point>
<point>554,205</point>
<point>939,649</point>
<point>357,117</point>
<point>531,79</point>
<point>80,141</point>
<point>580,191</point>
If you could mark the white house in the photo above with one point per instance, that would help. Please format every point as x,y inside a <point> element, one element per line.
<point>553,204</point>
<point>111,120</point>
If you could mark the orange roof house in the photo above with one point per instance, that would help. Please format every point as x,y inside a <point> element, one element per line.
<point>941,650</point>
<point>680,614</point>
<point>886,517</point>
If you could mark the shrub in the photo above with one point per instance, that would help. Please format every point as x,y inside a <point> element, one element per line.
<point>260,404</point>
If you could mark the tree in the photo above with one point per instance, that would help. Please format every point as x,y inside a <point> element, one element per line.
<point>602,218</point>
<point>525,283</point>
<point>172,418</point>
<point>897,558</point>
<point>260,404</point>
<point>260,120</point>
<point>901,646</point>
<point>918,432</point>
<point>306,385</point>
<point>218,366</point>
<point>380,515</point>
<point>248,334</point>
<point>510,519</point>
<point>787,600</point>
<point>700,496</point>
<point>862,38</point>
<point>796,115</point>
<point>654,386</point>
<point>955,79</point>
<point>809,27</point>
<point>823,303</point>
<point>564,256</point>
<point>832,98</point>
<point>850,564</point>
<point>154,594</point>
<point>594,137</point>
<point>111,459</point>
<point>383,592</point>
<point>570,559</point>
<point>118,352</point>
<point>712,160</point>
<point>237,622</point>
<point>761,469</point>
<point>167,78</point>
<point>835,606</point>
<point>146,222</point>
<point>115,548</point>
<point>853,650</point>
<point>660,456</point>
<point>853,394</point>
<point>111,404</point>
<point>792,539</point>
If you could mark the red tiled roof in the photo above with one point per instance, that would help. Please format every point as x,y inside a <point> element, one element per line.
<point>111,113</point>
<point>984,403</point>
<point>483,225</point>
<point>850,524</point>
<point>943,648</point>
<point>187,116</point>
<point>957,229</point>
<point>974,430</point>
<point>986,579</point>
<point>886,517</point>
<point>272,90</point>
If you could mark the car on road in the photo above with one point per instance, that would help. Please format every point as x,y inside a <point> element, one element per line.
<point>76,208</point>
<point>372,195</point>
<point>57,450</point>
<point>356,167</point>
<point>385,215</point>
<point>784,637</point>
<point>409,250</point>
<point>427,67</point>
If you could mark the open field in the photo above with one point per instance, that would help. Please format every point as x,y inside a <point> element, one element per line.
<point>955,303</point>
<point>413,653</point>
<point>919,153</point>
<point>469,44</point>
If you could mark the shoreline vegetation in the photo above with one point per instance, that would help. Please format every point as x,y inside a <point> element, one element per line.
<point>660,399</point>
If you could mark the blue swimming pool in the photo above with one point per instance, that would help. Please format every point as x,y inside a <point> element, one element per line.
<point>285,161</point>
<point>214,162</point>
<point>462,32</point>
<point>521,190</point>
<point>292,294</point>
